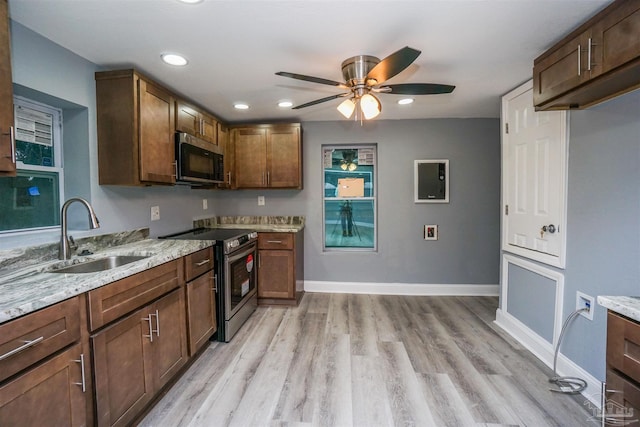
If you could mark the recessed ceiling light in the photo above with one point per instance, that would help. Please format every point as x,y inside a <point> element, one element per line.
<point>285,104</point>
<point>174,59</point>
<point>405,101</point>
<point>190,1</point>
<point>240,106</point>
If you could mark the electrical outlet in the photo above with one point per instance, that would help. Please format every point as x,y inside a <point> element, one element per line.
<point>205,204</point>
<point>155,213</point>
<point>260,200</point>
<point>585,301</point>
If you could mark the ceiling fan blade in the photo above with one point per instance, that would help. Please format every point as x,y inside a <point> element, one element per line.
<point>417,89</point>
<point>311,79</point>
<point>318,101</point>
<point>393,64</point>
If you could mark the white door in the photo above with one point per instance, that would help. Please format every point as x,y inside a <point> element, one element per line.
<point>534,147</point>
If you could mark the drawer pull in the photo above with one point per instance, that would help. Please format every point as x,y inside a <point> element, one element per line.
<point>203,262</point>
<point>275,241</point>
<point>83,384</point>
<point>25,346</point>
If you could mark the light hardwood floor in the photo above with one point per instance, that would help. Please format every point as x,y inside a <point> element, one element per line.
<point>369,360</point>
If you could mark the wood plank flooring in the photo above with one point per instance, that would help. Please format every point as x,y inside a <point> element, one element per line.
<point>369,360</point>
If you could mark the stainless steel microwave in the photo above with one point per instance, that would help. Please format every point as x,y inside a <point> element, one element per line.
<point>198,161</point>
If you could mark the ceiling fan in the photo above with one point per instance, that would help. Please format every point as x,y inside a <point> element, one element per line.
<point>364,76</point>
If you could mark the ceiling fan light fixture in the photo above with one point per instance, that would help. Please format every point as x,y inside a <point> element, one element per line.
<point>405,101</point>
<point>346,108</point>
<point>370,106</point>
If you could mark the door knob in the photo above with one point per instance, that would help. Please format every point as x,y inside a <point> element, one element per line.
<point>549,228</point>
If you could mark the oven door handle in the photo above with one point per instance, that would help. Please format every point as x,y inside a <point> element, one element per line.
<point>241,254</point>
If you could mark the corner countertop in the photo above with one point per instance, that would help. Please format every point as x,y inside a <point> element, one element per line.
<point>31,288</point>
<point>626,306</point>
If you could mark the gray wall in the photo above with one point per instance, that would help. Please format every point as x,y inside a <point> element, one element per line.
<point>467,252</point>
<point>603,226</point>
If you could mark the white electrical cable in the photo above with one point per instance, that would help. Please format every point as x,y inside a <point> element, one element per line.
<point>569,385</point>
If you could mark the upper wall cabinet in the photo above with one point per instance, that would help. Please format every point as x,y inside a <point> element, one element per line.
<point>136,130</point>
<point>267,156</point>
<point>597,61</point>
<point>196,122</point>
<point>7,134</point>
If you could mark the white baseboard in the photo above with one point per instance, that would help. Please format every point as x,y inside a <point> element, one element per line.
<point>544,350</point>
<point>400,288</point>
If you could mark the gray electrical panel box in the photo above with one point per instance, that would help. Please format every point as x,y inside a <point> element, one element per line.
<point>431,181</point>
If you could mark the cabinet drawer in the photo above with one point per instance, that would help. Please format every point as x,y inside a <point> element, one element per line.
<point>197,263</point>
<point>624,394</point>
<point>114,300</point>
<point>623,345</point>
<point>275,241</point>
<point>39,335</point>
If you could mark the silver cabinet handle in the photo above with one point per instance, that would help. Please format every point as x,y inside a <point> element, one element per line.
<point>215,285</point>
<point>25,346</point>
<point>268,178</point>
<point>229,178</point>
<point>150,336</point>
<point>275,241</point>
<point>157,323</point>
<point>589,55</point>
<point>175,168</point>
<point>82,384</point>
<point>201,263</point>
<point>579,59</point>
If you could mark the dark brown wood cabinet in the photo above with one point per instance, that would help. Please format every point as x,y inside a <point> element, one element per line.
<point>197,122</point>
<point>267,156</point>
<point>597,61</point>
<point>200,289</point>
<point>45,376</point>
<point>280,268</point>
<point>7,132</point>
<point>136,130</point>
<point>622,397</point>
<point>224,141</point>
<point>50,394</point>
<point>136,356</point>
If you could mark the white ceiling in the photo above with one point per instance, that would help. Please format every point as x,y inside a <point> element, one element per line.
<point>483,47</point>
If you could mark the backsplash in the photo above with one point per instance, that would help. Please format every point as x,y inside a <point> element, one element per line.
<point>221,221</point>
<point>25,257</point>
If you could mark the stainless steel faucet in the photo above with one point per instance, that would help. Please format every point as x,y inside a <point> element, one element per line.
<point>64,252</point>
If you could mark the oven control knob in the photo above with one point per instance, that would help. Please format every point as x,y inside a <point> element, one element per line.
<point>234,243</point>
<point>253,235</point>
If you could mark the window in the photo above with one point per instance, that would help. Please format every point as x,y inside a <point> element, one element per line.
<point>31,200</point>
<point>349,199</point>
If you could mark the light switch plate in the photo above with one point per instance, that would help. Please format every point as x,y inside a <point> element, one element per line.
<point>155,213</point>
<point>260,200</point>
<point>205,204</point>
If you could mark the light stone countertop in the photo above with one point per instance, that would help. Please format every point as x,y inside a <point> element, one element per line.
<point>29,289</point>
<point>626,306</point>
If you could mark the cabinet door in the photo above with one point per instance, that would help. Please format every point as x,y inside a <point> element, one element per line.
<point>562,70</point>
<point>619,34</point>
<point>186,118</point>
<point>276,274</point>
<point>225,143</point>
<point>201,311</point>
<point>48,395</point>
<point>157,128</point>
<point>169,346</point>
<point>208,128</point>
<point>122,369</point>
<point>250,157</point>
<point>284,158</point>
<point>7,141</point>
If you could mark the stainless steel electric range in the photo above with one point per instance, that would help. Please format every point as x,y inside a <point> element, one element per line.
<point>235,274</point>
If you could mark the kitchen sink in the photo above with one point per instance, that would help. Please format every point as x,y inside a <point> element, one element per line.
<point>100,264</point>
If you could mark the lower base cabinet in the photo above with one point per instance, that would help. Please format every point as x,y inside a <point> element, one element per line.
<point>135,357</point>
<point>280,268</point>
<point>51,394</point>
<point>201,311</point>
